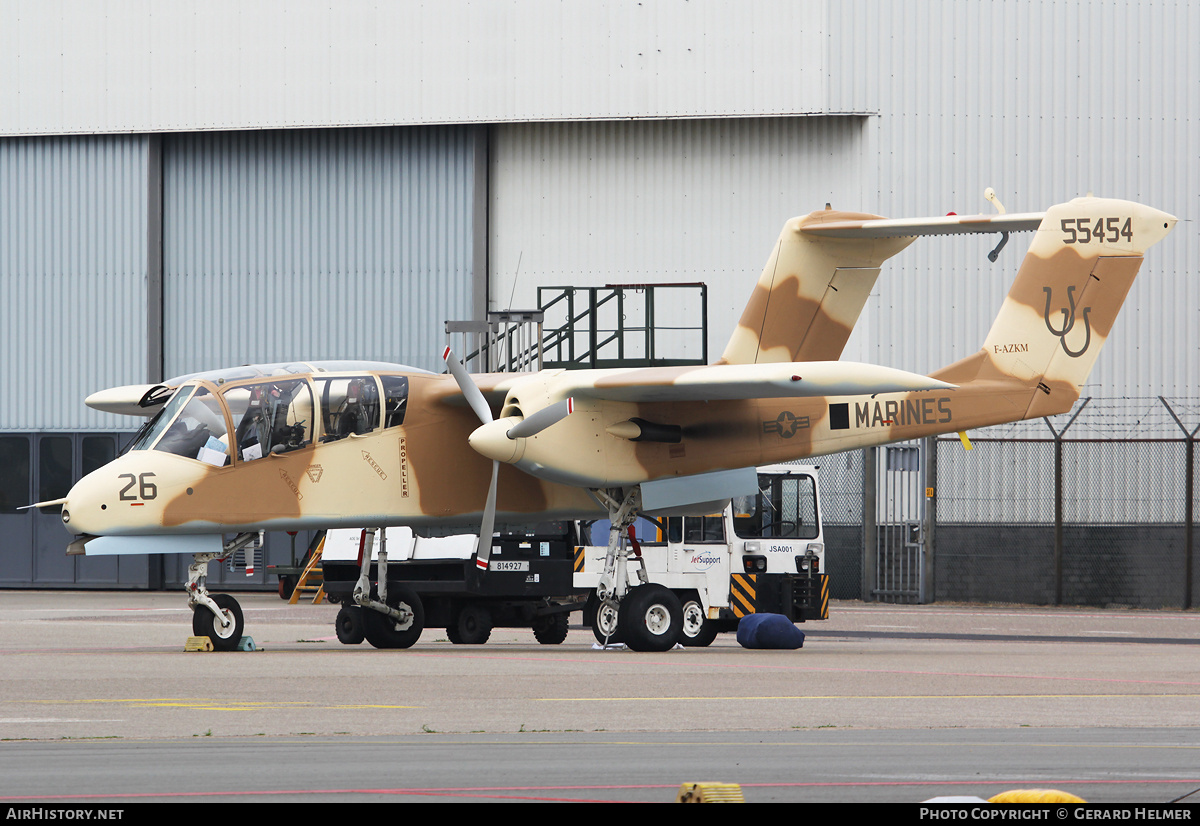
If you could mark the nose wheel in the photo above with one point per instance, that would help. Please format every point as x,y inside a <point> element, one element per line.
<point>225,628</point>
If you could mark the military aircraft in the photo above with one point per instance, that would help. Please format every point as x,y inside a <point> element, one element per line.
<point>349,444</point>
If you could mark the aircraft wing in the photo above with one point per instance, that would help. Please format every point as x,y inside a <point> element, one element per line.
<point>743,381</point>
<point>910,227</point>
<point>131,399</point>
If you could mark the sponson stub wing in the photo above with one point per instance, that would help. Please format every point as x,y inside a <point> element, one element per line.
<point>742,381</point>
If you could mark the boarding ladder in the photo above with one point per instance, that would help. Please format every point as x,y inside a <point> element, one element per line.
<point>312,578</point>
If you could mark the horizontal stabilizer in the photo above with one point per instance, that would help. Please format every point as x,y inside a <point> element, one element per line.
<point>912,227</point>
<point>748,381</point>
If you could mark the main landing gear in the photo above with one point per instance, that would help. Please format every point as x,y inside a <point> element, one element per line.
<point>647,616</point>
<point>389,620</point>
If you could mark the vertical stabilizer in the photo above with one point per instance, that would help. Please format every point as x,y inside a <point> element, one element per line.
<point>1064,300</point>
<point>810,294</point>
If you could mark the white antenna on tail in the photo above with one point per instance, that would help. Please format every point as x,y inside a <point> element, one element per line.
<point>990,194</point>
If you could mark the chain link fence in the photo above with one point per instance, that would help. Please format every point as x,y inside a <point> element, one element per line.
<point>841,486</point>
<point>1097,507</point>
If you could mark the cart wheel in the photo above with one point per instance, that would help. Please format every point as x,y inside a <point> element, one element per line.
<point>550,629</point>
<point>698,631</point>
<point>474,625</point>
<point>349,625</point>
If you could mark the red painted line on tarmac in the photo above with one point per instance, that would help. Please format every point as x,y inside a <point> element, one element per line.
<point>691,663</point>
<point>608,661</point>
<point>491,792</point>
<point>920,612</point>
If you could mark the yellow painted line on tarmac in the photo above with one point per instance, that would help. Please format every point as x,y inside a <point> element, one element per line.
<point>365,705</point>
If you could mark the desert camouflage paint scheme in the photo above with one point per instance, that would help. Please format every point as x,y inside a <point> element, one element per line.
<point>777,394</point>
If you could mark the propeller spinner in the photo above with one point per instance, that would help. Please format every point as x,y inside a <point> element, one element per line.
<point>497,441</point>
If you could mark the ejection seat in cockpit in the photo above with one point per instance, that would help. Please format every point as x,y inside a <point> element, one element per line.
<point>357,416</point>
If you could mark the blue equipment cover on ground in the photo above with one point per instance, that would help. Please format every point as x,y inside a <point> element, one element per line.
<point>768,631</point>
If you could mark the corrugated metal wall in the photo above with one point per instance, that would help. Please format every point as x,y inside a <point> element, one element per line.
<point>631,202</point>
<point>141,66</point>
<point>72,277</point>
<point>315,244</point>
<point>1044,101</point>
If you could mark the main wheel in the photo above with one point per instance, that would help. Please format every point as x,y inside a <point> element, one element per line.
<point>474,626</point>
<point>205,623</point>
<point>349,625</point>
<point>650,618</point>
<point>698,630</point>
<point>382,631</point>
<point>550,629</point>
<point>605,625</point>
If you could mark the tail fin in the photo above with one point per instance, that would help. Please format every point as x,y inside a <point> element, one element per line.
<point>1065,300</point>
<point>810,294</point>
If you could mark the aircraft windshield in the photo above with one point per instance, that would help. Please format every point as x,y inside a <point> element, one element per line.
<point>784,508</point>
<point>192,425</point>
<point>275,415</point>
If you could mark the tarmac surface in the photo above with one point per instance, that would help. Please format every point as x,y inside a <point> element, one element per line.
<point>100,703</point>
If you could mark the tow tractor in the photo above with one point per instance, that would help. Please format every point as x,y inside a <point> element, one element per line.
<point>697,577</point>
<point>433,582</point>
<point>763,553</point>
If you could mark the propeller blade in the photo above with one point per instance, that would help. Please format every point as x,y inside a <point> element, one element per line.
<point>484,549</point>
<point>542,419</point>
<point>468,387</point>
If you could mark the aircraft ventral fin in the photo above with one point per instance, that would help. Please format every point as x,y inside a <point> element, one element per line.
<point>749,381</point>
<point>911,227</point>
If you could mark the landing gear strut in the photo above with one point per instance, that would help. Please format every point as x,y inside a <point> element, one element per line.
<point>646,617</point>
<point>393,620</point>
<point>216,616</point>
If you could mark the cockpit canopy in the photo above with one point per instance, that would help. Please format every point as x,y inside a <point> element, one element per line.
<point>249,412</point>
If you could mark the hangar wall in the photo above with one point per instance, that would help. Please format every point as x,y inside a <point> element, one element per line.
<point>73,239</point>
<point>589,204</point>
<point>276,246</point>
<point>316,244</point>
<point>294,64</point>
<point>1044,101</point>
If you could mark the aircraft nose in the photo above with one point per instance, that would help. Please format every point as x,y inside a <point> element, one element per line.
<point>85,507</point>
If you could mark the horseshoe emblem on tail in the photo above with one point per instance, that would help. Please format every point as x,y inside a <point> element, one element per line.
<point>1069,322</point>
